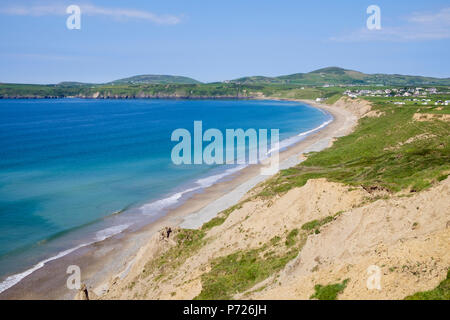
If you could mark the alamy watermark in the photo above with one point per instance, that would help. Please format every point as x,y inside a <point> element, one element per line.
<point>231,150</point>
<point>73,22</point>
<point>374,280</point>
<point>74,280</point>
<point>374,20</point>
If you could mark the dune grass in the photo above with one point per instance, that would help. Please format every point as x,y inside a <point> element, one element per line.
<point>187,243</point>
<point>441,292</point>
<point>375,155</point>
<point>329,292</point>
<point>241,270</point>
<point>316,224</point>
<point>221,217</point>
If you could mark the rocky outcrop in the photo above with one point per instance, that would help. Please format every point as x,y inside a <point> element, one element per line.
<point>83,293</point>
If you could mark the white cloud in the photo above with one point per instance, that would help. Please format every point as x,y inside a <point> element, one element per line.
<point>418,27</point>
<point>33,10</point>
<point>89,9</point>
<point>441,17</point>
<point>37,56</point>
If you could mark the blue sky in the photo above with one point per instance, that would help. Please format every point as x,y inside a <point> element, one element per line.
<point>213,40</point>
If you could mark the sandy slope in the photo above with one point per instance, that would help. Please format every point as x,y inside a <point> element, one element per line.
<point>407,237</point>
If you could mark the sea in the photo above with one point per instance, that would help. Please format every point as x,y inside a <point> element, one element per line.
<point>74,172</point>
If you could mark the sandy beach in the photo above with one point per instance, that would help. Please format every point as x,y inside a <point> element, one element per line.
<point>115,256</point>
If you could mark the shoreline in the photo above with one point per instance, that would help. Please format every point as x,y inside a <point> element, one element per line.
<point>104,260</point>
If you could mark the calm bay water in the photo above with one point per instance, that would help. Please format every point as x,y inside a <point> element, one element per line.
<point>67,165</point>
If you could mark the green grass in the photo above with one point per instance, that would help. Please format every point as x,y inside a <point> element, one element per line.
<point>221,217</point>
<point>316,224</point>
<point>214,222</point>
<point>187,243</point>
<point>329,292</point>
<point>241,270</point>
<point>441,292</point>
<point>291,238</point>
<point>372,157</point>
<point>333,98</point>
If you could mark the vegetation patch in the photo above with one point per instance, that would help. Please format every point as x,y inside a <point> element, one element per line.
<point>187,243</point>
<point>334,98</point>
<point>291,238</point>
<point>220,218</point>
<point>243,269</point>
<point>316,224</point>
<point>329,292</point>
<point>441,292</point>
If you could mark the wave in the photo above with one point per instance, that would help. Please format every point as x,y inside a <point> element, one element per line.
<point>99,236</point>
<point>109,232</point>
<point>174,199</point>
<point>158,205</point>
<point>209,181</point>
<point>161,204</point>
<point>323,125</point>
<point>292,140</point>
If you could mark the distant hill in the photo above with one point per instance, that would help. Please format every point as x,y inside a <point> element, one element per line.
<point>340,76</point>
<point>156,79</point>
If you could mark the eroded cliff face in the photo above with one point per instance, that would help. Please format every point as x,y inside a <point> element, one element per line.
<point>321,233</point>
<point>358,107</point>
<point>407,238</point>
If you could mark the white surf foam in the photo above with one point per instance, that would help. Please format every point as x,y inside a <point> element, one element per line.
<point>100,236</point>
<point>161,204</point>
<point>109,232</point>
<point>292,140</point>
<point>209,181</point>
<point>323,125</point>
<point>158,205</point>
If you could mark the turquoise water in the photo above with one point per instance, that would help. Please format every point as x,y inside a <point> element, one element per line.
<point>67,165</point>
